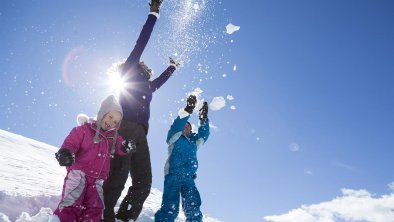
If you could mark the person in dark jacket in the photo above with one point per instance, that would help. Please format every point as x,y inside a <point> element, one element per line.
<point>135,101</point>
<point>181,166</point>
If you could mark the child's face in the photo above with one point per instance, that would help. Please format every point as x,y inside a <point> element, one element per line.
<point>111,120</point>
<point>187,130</point>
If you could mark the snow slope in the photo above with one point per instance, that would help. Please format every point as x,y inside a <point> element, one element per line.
<point>31,181</point>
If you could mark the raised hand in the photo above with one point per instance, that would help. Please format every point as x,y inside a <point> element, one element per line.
<point>191,104</point>
<point>203,113</point>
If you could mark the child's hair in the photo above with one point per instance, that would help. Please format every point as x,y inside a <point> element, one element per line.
<point>189,124</point>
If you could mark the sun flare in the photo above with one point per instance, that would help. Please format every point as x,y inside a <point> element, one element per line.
<point>115,81</point>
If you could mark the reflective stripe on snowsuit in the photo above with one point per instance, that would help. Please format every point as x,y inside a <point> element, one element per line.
<point>176,186</point>
<point>180,168</point>
<point>82,198</point>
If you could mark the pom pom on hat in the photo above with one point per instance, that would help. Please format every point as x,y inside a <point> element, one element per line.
<point>82,118</point>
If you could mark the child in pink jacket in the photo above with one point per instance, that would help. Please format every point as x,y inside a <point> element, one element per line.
<point>86,153</point>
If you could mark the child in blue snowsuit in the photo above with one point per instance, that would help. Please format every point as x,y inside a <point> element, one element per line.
<point>181,166</point>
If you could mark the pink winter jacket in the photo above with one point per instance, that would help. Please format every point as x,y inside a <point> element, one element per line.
<point>93,159</point>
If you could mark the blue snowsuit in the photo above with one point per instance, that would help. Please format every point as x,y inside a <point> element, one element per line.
<point>180,170</point>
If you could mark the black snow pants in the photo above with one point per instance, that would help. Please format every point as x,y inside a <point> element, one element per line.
<point>139,166</point>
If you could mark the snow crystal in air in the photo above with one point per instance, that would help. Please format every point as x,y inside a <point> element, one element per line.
<point>196,7</point>
<point>187,32</point>
<point>391,186</point>
<point>230,97</point>
<point>294,147</point>
<point>232,107</point>
<point>230,28</point>
<point>217,103</point>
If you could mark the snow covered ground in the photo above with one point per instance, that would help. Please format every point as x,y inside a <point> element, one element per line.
<point>31,181</point>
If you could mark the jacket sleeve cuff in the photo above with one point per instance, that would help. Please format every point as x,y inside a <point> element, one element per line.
<point>155,14</point>
<point>182,113</point>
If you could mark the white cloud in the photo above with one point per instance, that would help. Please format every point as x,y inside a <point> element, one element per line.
<point>391,186</point>
<point>230,28</point>
<point>217,103</point>
<point>352,205</point>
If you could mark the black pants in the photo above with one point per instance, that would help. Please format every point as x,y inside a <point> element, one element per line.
<point>139,166</point>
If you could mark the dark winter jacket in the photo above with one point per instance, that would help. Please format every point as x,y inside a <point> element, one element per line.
<point>135,99</point>
<point>182,150</point>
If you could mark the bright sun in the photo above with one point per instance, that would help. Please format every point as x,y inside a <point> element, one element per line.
<point>115,81</point>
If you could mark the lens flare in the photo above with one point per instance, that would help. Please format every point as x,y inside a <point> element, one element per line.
<point>70,76</point>
<point>115,81</point>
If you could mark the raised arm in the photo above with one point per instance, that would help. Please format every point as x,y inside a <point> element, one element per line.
<point>159,81</point>
<point>142,41</point>
<point>203,130</point>
<point>176,129</point>
<point>203,133</point>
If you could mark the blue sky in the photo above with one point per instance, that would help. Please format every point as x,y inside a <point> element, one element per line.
<point>313,90</point>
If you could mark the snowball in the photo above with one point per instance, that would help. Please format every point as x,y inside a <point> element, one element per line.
<point>230,28</point>
<point>217,103</point>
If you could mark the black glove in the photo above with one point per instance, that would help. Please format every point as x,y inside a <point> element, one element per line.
<point>203,114</point>
<point>155,5</point>
<point>65,157</point>
<point>191,103</point>
<point>174,63</point>
<point>129,146</point>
